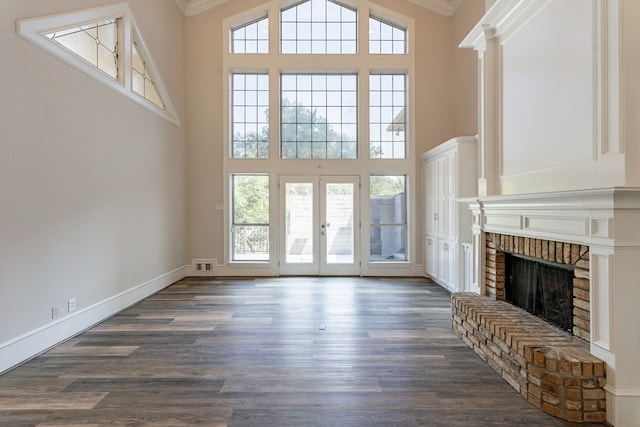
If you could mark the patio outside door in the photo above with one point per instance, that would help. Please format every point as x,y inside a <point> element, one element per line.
<point>320,225</point>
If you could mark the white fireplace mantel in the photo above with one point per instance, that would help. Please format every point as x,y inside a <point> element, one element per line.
<point>608,221</point>
<point>584,217</point>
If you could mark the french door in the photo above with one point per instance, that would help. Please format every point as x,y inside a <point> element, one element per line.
<point>320,225</point>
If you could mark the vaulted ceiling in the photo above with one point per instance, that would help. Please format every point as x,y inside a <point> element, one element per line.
<point>443,7</point>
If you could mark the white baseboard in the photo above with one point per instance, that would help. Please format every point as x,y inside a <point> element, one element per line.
<point>33,343</point>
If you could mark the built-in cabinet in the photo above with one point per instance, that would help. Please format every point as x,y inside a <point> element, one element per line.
<point>449,172</point>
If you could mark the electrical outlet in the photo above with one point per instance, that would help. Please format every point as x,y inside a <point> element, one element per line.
<point>55,312</point>
<point>71,305</point>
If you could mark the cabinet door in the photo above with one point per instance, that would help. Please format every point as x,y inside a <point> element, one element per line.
<point>431,257</point>
<point>447,262</point>
<point>450,221</point>
<point>442,215</point>
<point>430,199</point>
<point>443,262</point>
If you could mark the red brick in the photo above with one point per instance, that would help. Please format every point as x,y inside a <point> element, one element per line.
<point>573,416</point>
<point>545,249</point>
<point>576,369</point>
<point>550,398</point>
<point>552,378</point>
<point>573,405</point>
<point>551,364</point>
<point>535,401</point>
<point>595,394</point>
<point>564,367</point>
<point>535,391</point>
<point>559,247</point>
<point>589,383</point>
<point>573,393</point>
<point>575,253</point>
<point>581,283</point>
<point>566,254</point>
<point>591,406</point>
<point>539,359</point>
<point>598,369</point>
<point>595,417</point>
<point>550,409</point>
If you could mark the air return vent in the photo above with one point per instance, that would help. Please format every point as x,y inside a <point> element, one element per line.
<point>203,267</point>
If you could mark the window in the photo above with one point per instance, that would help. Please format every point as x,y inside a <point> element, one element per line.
<point>319,27</point>
<point>386,38</point>
<point>142,82</point>
<point>103,43</point>
<point>319,114</point>
<point>250,228</point>
<point>328,98</point>
<point>96,43</point>
<point>251,38</point>
<point>250,127</point>
<point>387,113</point>
<point>388,212</point>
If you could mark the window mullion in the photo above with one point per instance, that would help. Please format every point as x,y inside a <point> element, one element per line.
<point>125,42</point>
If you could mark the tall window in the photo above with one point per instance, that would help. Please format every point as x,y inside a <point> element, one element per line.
<point>319,114</point>
<point>388,212</point>
<point>332,100</point>
<point>250,127</point>
<point>251,38</point>
<point>250,228</point>
<point>319,26</point>
<point>387,99</point>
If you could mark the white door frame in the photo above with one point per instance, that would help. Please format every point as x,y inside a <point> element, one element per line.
<point>313,258</point>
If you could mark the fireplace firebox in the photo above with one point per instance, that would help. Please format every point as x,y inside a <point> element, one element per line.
<point>543,288</point>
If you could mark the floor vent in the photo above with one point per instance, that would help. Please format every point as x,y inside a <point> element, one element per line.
<point>203,267</point>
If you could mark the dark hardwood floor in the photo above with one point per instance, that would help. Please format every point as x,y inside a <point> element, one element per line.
<point>269,352</point>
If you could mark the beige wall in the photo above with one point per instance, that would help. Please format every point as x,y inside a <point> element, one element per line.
<point>92,185</point>
<point>205,131</point>
<point>465,70</point>
<point>438,116</point>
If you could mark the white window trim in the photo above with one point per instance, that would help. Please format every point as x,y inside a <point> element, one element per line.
<point>36,29</point>
<point>361,64</point>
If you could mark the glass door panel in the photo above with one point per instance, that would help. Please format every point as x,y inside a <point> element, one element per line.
<point>299,222</point>
<point>320,225</point>
<point>340,222</point>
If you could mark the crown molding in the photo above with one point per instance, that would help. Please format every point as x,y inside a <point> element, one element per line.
<point>194,7</point>
<point>182,4</point>
<point>503,20</point>
<point>443,7</point>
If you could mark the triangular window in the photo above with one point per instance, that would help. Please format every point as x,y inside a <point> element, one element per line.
<point>142,82</point>
<point>104,44</point>
<point>96,43</point>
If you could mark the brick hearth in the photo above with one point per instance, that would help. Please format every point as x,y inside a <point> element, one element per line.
<point>550,368</point>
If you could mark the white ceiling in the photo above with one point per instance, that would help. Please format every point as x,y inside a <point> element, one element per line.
<point>443,7</point>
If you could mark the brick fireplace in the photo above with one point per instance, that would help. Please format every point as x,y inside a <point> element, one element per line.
<point>548,366</point>
<point>596,233</point>
<point>497,246</point>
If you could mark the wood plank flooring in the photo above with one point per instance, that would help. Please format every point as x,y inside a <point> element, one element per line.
<point>269,352</point>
